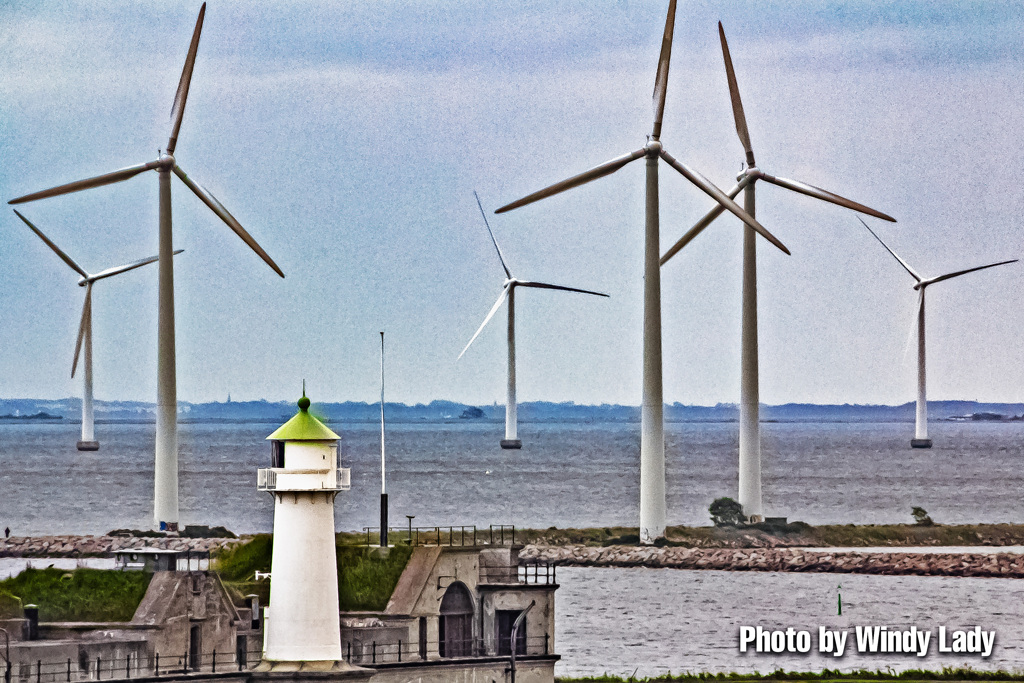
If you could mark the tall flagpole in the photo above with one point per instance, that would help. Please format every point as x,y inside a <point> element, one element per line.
<point>383,475</point>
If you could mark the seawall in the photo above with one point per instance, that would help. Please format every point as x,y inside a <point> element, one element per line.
<point>100,546</point>
<point>1004,565</point>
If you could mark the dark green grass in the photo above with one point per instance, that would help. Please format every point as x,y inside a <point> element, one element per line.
<point>911,676</point>
<point>79,595</point>
<point>366,577</point>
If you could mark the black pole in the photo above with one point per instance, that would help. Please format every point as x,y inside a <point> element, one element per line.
<point>383,520</point>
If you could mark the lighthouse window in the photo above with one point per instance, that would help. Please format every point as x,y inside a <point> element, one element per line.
<point>277,454</point>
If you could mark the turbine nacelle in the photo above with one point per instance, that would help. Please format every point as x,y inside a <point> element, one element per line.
<point>165,162</point>
<point>654,148</point>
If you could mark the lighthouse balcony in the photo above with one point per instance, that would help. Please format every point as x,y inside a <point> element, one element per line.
<point>282,479</point>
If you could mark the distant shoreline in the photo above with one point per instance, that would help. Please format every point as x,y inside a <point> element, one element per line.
<point>529,412</point>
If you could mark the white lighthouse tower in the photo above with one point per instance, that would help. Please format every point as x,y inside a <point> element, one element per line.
<point>304,478</point>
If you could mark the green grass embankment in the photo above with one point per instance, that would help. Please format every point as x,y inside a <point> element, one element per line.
<point>366,576</point>
<point>911,676</point>
<point>79,595</point>
<point>796,534</point>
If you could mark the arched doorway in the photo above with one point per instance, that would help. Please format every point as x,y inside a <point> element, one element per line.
<point>455,625</point>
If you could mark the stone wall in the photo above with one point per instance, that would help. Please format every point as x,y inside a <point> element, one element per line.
<point>98,546</point>
<point>1006,565</point>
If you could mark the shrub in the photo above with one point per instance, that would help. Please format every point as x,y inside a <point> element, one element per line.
<point>726,512</point>
<point>921,517</point>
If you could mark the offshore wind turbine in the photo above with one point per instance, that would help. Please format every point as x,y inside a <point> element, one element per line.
<point>508,291</point>
<point>652,427</point>
<point>88,441</point>
<point>750,419</point>
<point>165,503</point>
<point>921,439</point>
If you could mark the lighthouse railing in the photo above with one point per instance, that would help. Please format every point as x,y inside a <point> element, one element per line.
<point>304,479</point>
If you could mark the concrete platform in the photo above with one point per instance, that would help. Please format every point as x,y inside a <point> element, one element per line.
<point>88,445</point>
<point>511,443</point>
<point>920,443</point>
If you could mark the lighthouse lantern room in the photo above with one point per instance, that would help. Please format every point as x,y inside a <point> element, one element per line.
<point>304,478</point>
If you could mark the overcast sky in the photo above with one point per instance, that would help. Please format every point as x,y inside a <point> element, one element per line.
<point>348,139</point>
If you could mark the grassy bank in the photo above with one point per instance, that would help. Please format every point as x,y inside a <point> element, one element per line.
<point>79,595</point>
<point>366,576</point>
<point>796,534</point>
<point>911,676</point>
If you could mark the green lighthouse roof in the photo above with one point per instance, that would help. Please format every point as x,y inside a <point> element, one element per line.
<point>303,427</point>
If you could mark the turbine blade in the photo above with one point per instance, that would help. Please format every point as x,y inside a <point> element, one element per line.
<point>825,195</point>
<point>906,266</point>
<point>98,181</point>
<point>958,273</point>
<point>544,285</point>
<point>720,197</point>
<point>604,169</point>
<point>86,313</point>
<point>178,108</point>
<point>64,257</point>
<point>708,219</point>
<point>737,104</point>
<point>223,214</point>
<point>129,266</point>
<point>661,79</point>
<point>501,258</point>
<point>494,309</point>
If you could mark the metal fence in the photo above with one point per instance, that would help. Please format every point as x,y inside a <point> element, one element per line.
<point>165,664</point>
<point>533,573</point>
<point>373,652</point>
<point>451,535</point>
<point>130,666</point>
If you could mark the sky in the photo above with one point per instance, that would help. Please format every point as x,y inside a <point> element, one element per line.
<point>348,139</point>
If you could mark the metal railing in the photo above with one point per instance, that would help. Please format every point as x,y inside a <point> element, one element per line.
<point>533,573</point>
<point>368,653</point>
<point>127,667</point>
<point>163,664</point>
<point>266,478</point>
<point>450,535</point>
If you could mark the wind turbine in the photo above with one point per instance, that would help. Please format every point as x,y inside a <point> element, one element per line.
<point>508,291</point>
<point>921,439</point>
<point>750,420</point>
<point>652,428</point>
<point>165,504</point>
<point>88,441</point>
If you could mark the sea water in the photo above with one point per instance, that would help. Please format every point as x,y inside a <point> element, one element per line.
<point>566,475</point>
<point>654,621</point>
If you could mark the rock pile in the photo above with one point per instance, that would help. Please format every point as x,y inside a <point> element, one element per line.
<point>1005,565</point>
<point>99,546</point>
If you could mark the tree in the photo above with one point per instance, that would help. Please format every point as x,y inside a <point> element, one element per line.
<point>726,512</point>
<point>921,517</point>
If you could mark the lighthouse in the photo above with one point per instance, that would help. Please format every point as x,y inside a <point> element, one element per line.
<point>304,478</point>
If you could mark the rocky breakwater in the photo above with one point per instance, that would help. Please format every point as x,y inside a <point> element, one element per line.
<point>100,546</point>
<point>1005,565</point>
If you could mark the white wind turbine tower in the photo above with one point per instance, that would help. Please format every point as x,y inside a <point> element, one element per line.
<point>508,291</point>
<point>652,428</point>
<point>750,420</point>
<point>88,441</point>
<point>921,439</point>
<point>165,504</point>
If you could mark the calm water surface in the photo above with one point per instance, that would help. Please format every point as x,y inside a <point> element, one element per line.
<point>661,620</point>
<point>565,475</point>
